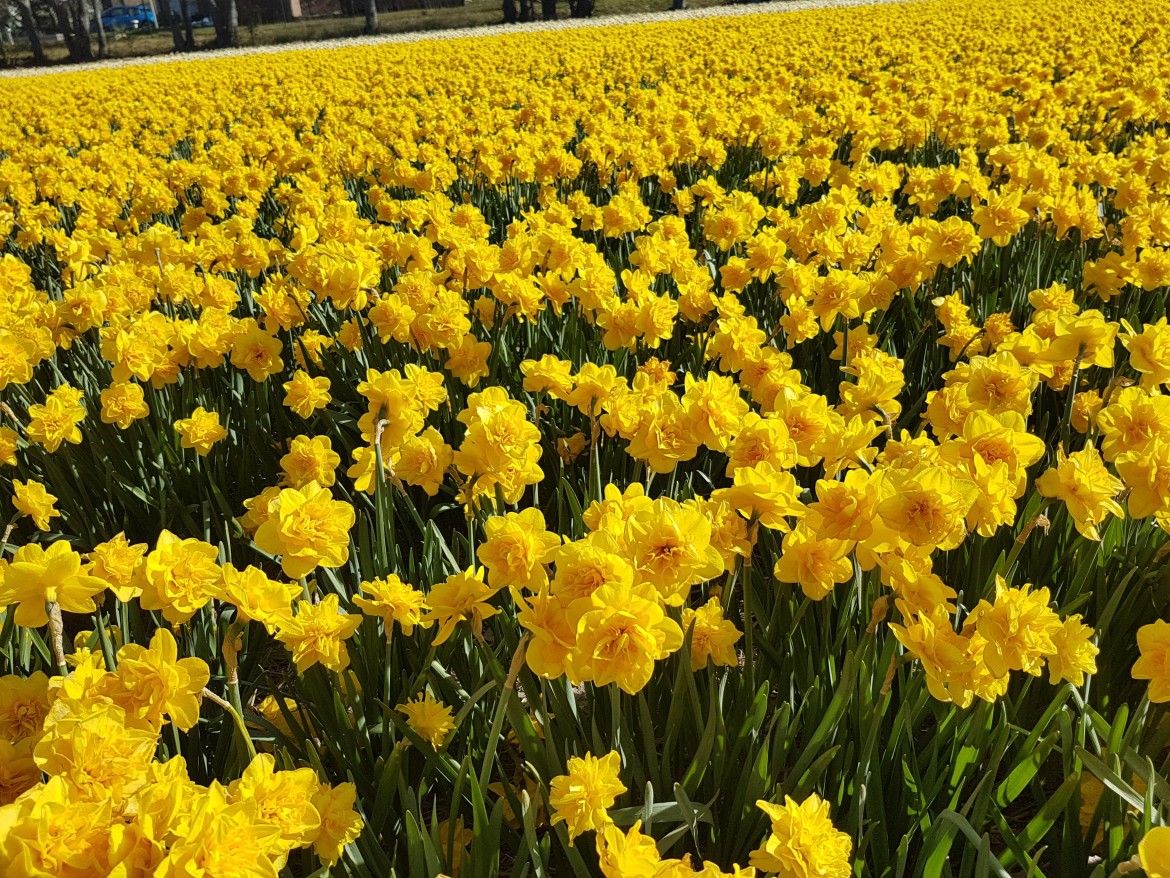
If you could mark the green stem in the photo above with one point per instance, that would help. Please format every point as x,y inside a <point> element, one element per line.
<point>1066,425</point>
<point>107,647</point>
<point>498,720</point>
<point>1039,519</point>
<point>749,660</point>
<point>237,718</point>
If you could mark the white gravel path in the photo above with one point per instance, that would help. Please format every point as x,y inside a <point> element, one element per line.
<point>455,33</point>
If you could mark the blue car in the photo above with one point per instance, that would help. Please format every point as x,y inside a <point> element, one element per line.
<point>129,18</point>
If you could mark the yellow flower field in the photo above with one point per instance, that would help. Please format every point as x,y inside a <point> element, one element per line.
<point>723,447</point>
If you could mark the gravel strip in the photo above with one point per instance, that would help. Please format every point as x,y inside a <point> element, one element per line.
<point>453,34</point>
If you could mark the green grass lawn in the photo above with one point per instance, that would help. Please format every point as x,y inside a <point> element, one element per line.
<point>475,13</point>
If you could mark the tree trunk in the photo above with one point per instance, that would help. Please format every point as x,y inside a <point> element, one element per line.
<point>188,30</point>
<point>30,30</point>
<point>227,22</point>
<point>65,26</point>
<point>548,10</point>
<point>678,5</point>
<point>103,47</point>
<point>177,32</point>
<point>371,16</point>
<point>510,11</point>
<point>84,48</point>
<point>526,10</point>
<point>182,33</point>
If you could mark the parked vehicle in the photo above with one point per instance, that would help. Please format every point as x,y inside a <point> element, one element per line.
<point>129,18</point>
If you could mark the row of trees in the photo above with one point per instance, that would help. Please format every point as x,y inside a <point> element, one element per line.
<point>525,10</point>
<point>72,18</point>
<point>227,23</point>
<point>78,20</point>
<point>516,11</point>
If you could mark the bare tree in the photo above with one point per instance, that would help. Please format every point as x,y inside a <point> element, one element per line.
<point>65,26</point>
<point>227,23</point>
<point>184,41</point>
<point>73,16</point>
<point>371,16</point>
<point>28,22</point>
<point>103,47</point>
<point>177,28</point>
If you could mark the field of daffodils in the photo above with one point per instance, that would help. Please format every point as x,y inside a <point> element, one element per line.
<point>725,447</point>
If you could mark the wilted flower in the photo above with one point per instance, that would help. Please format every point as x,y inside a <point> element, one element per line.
<point>428,718</point>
